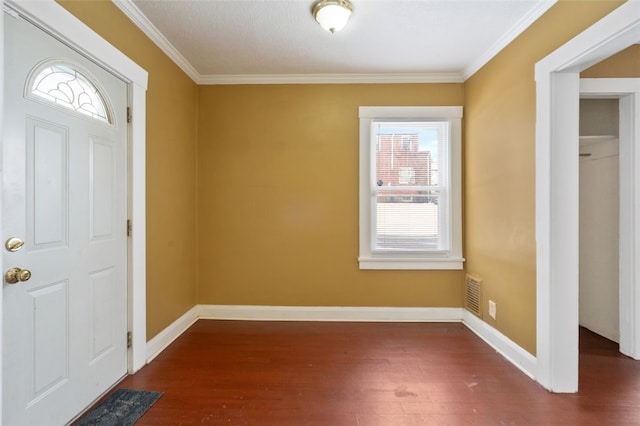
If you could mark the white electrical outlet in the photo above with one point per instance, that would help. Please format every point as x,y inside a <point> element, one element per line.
<point>492,309</point>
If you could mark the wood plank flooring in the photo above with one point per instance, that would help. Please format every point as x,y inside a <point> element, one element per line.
<point>369,374</point>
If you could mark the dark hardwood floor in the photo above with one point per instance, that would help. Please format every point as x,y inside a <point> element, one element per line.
<point>368,374</point>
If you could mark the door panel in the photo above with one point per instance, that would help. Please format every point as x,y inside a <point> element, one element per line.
<point>102,300</point>
<point>50,352</point>
<point>47,184</point>
<point>102,190</point>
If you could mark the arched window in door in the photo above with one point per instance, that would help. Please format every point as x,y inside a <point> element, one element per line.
<point>63,85</point>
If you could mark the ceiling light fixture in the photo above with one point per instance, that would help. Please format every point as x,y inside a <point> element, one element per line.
<point>332,15</point>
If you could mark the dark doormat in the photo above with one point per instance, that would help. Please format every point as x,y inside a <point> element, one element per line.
<point>122,408</point>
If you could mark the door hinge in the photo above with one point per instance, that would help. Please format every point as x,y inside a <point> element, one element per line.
<point>129,227</point>
<point>129,339</point>
<point>128,114</point>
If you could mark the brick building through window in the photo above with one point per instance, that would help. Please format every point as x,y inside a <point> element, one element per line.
<point>400,162</point>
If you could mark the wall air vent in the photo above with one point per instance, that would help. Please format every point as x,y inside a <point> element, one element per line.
<point>473,294</point>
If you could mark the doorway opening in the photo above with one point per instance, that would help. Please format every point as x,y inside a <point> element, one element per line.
<point>599,309</point>
<point>558,89</point>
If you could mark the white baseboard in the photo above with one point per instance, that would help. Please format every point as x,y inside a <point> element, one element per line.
<point>163,339</point>
<point>328,313</point>
<point>501,343</point>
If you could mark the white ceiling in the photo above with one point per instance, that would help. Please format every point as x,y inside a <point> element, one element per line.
<point>267,41</point>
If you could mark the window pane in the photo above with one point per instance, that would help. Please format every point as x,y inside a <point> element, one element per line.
<point>62,85</point>
<point>407,220</point>
<point>407,153</point>
<point>407,187</point>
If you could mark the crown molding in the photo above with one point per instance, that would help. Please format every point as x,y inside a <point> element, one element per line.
<point>141,21</point>
<point>373,78</point>
<point>508,37</point>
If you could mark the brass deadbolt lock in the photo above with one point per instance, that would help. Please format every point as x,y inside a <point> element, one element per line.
<point>13,244</point>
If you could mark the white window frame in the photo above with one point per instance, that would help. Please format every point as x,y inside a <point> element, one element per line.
<point>450,259</point>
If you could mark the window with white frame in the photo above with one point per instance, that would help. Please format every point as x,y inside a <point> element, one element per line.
<point>410,188</point>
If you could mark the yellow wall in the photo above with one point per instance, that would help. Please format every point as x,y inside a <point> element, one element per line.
<point>276,191</point>
<point>499,152</point>
<point>278,198</point>
<point>171,164</point>
<point>625,64</point>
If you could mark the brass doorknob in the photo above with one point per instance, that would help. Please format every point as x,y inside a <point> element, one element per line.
<point>15,275</point>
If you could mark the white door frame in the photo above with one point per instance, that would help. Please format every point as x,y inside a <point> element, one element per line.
<point>557,183</point>
<point>627,91</point>
<point>57,21</point>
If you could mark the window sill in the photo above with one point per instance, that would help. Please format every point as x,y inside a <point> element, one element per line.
<point>411,263</point>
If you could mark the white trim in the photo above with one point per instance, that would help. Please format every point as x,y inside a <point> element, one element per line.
<point>513,353</point>
<point>410,112</point>
<point>508,37</point>
<point>605,87</point>
<point>163,339</point>
<point>448,263</point>
<point>630,225</point>
<point>141,21</point>
<point>1,186</point>
<point>557,93</point>
<point>57,21</point>
<point>138,216</point>
<point>451,182</point>
<point>61,24</point>
<point>502,344</point>
<point>613,33</point>
<point>328,313</point>
<point>380,78</point>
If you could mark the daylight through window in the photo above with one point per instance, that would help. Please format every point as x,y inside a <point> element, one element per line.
<point>64,86</point>
<point>410,188</point>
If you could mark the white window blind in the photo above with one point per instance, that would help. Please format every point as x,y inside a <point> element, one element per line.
<point>406,188</point>
<point>410,188</point>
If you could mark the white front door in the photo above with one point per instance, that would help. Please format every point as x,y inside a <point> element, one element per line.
<point>65,196</point>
